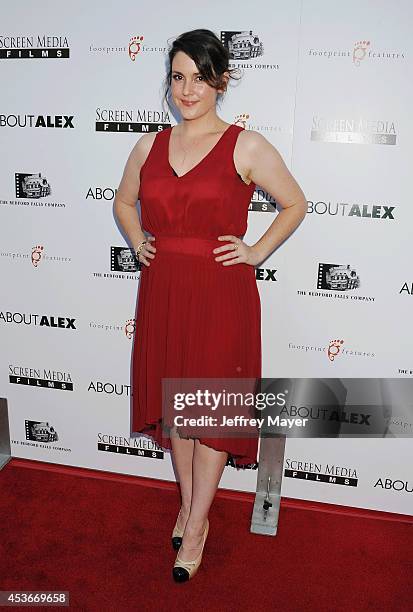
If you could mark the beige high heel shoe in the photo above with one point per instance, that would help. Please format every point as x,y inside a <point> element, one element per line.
<point>184,570</point>
<point>177,535</point>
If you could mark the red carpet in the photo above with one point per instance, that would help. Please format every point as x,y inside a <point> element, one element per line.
<point>105,538</point>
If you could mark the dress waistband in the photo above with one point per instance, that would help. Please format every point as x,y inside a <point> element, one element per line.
<point>188,245</point>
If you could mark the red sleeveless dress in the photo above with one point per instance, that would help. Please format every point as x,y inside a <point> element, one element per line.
<point>195,317</point>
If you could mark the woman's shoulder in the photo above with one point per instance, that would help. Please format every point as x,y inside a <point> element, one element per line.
<point>144,145</point>
<point>147,139</point>
<point>250,140</point>
<point>251,136</point>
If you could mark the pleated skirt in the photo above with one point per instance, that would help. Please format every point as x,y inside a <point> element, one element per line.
<point>195,318</point>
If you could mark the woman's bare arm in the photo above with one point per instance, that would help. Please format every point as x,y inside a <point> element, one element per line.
<point>127,194</point>
<point>268,170</point>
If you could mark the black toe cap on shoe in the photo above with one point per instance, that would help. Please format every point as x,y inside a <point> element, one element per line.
<point>180,574</point>
<point>176,543</point>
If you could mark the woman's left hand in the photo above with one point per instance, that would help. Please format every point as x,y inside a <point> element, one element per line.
<point>239,252</point>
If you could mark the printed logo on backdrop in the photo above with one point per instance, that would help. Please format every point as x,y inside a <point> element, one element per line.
<point>407,288</point>
<point>266,275</point>
<point>40,377</point>
<point>337,277</point>
<point>241,120</point>
<point>122,259</point>
<point>268,128</point>
<point>352,130</point>
<point>41,435</point>
<point>109,388</point>
<point>37,121</point>
<point>398,486</point>
<point>361,52</point>
<point>123,265</point>
<point>127,328</point>
<point>262,201</point>
<point>356,211</point>
<point>32,190</point>
<point>136,446</point>
<point>36,256</point>
<point>133,49</point>
<point>405,371</point>
<point>40,431</point>
<point>31,185</point>
<point>321,472</point>
<point>106,194</point>
<point>332,349</point>
<point>337,282</point>
<point>25,318</point>
<point>130,120</point>
<point>246,466</point>
<point>37,46</point>
<point>244,47</point>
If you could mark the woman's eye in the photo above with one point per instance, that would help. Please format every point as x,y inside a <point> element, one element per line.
<point>178,77</point>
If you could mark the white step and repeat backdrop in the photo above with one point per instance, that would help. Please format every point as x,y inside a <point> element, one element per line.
<point>329,84</point>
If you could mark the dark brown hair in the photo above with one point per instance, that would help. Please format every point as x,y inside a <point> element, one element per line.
<point>210,56</point>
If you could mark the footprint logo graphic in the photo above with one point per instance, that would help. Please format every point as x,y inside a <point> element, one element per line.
<point>359,51</point>
<point>242,120</point>
<point>334,349</point>
<point>130,328</point>
<point>134,46</point>
<point>36,255</point>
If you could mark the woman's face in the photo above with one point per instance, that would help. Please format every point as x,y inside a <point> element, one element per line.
<point>190,93</point>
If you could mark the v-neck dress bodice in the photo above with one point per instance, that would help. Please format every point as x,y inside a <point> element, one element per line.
<point>207,201</point>
<point>195,317</point>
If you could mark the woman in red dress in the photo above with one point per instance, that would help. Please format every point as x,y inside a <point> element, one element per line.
<point>198,309</point>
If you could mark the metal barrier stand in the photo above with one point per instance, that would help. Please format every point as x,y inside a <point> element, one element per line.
<point>5,452</point>
<point>268,495</point>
